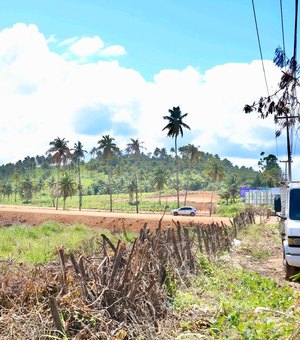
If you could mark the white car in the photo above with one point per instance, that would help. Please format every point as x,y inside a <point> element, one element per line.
<point>187,210</point>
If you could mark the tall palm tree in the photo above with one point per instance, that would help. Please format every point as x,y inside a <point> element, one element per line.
<point>175,127</point>
<point>60,153</point>
<point>134,148</point>
<point>109,148</point>
<point>214,170</point>
<point>78,154</point>
<point>67,187</point>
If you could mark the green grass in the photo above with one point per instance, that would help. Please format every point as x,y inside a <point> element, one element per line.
<point>260,241</point>
<point>239,304</point>
<point>38,244</point>
<point>230,210</point>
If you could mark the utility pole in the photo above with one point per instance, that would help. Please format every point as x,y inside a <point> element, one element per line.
<point>294,98</point>
<point>285,169</point>
<point>289,153</point>
<point>288,142</point>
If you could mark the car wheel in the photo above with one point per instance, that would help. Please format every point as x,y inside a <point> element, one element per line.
<point>192,214</point>
<point>289,270</point>
<point>175,213</point>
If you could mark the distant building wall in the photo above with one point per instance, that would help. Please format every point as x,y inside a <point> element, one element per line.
<point>259,196</point>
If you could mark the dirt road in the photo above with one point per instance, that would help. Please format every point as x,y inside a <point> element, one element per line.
<point>10,215</point>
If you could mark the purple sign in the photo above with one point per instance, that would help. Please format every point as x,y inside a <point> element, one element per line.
<point>243,191</point>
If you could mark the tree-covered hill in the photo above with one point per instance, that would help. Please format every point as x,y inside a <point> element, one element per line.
<point>130,171</point>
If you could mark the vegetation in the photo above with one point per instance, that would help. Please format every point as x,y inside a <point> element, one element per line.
<point>117,178</point>
<point>109,148</point>
<point>60,154</point>
<point>39,244</point>
<point>237,303</point>
<point>23,243</point>
<point>225,298</point>
<point>131,172</point>
<point>175,127</point>
<point>78,154</point>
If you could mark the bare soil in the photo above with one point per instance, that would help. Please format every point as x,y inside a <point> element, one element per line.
<point>10,215</point>
<point>114,221</point>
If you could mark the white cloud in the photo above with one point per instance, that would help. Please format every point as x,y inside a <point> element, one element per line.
<point>44,96</point>
<point>52,39</point>
<point>68,41</point>
<point>113,51</point>
<point>87,46</point>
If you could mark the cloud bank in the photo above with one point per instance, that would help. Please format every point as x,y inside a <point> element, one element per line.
<point>77,89</point>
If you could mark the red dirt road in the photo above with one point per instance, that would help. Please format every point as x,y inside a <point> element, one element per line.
<point>10,215</point>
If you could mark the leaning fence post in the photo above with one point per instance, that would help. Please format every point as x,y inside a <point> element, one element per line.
<point>188,249</point>
<point>199,238</point>
<point>55,315</point>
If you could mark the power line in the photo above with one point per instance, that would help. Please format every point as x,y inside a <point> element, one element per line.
<point>282,27</point>
<point>260,50</point>
<point>295,33</point>
<point>283,47</point>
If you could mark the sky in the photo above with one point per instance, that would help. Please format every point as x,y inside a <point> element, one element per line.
<point>79,70</point>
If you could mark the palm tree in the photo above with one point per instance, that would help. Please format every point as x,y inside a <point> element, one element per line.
<point>175,127</point>
<point>192,154</point>
<point>53,190</point>
<point>134,148</point>
<point>109,150</point>
<point>78,154</point>
<point>60,154</point>
<point>67,187</point>
<point>26,189</point>
<point>215,171</point>
<point>16,177</point>
<point>160,180</point>
<point>93,152</point>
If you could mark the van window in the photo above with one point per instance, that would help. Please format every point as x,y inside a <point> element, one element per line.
<point>294,204</point>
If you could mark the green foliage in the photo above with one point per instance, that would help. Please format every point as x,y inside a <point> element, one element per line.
<point>230,210</point>
<point>260,240</point>
<point>205,265</point>
<point>185,299</point>
<point>248,303</point>
<point>240,304</point>
<point>250,306</point>
<point>38,244</point>
<point>34,180</point>
<point>170,284</point>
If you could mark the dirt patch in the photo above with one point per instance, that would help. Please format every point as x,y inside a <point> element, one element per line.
<point>10,215</point>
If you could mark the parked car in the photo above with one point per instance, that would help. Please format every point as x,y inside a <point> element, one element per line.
<point>187,210</point>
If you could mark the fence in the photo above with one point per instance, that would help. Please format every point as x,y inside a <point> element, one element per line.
<point>118,288</point>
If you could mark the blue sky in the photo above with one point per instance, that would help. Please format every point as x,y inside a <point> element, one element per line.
<point>163,34</point>
<point>80,69</point>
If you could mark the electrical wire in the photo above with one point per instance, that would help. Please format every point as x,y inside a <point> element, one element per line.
<point>282,27</point>
<point>295,32</point>
<point>260,50</point>
<point>295,69</point>
<point>283,48</point>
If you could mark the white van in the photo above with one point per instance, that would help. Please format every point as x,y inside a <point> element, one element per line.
<point>287,208</point>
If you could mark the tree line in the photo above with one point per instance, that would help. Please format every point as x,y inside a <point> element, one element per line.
<point>111,170</point>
